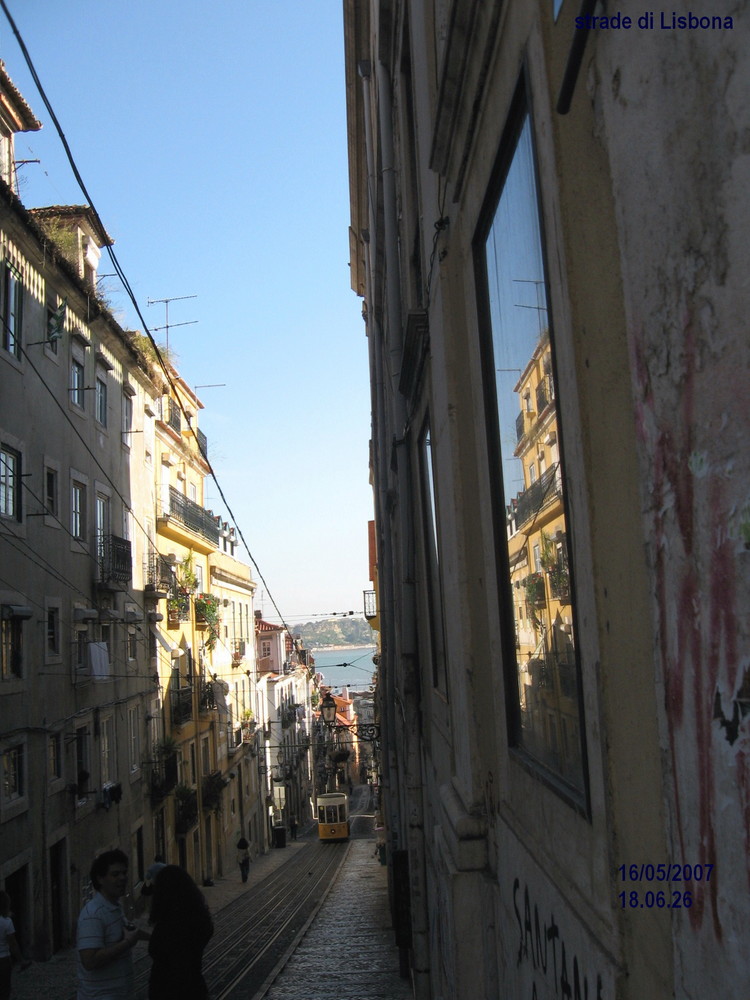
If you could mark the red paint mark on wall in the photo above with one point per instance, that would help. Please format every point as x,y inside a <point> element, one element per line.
<point>695,593</point>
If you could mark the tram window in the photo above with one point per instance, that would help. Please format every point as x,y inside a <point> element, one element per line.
<point>342,814</point>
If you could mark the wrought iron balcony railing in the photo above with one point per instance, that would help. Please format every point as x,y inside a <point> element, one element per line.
<point>164,777</point>
<point>545,393</point>
<point>158,572</point>
<point>193,516</point>
<point>208,701</point>
<point>559,584</point>
<point>520,424</point>
<point>182,706</point>
<point>538,495</point>
<point>371,603</point>
<point>115,560</point>
<point>170,414</point>
<point>202,442</point>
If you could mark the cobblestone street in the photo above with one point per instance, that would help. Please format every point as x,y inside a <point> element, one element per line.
<point>348,950</point>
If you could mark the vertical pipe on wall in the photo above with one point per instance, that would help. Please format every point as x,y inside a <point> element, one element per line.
<point>412,819</point>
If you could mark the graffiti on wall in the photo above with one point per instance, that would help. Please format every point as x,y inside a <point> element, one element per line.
<point>543,946</point>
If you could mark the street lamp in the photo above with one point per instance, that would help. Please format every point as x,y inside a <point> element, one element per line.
<point>328,710</point>
<point>368,731</point>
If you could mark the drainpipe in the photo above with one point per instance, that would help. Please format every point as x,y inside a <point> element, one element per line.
<point>413,818</point>
<point>381,436</point>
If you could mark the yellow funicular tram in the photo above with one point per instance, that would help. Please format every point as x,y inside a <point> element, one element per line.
<point>333,816</point>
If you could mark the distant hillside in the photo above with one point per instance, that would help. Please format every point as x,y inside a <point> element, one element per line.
<point>336,632</point>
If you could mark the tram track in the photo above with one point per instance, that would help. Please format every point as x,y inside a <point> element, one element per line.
<point>255,934</point>
<point>276,929</point>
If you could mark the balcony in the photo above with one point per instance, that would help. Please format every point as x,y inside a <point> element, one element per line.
<point>207,700</point>
<point>234,738</point>
<point>181,706</point>
<point>545,393</point>
<point>178,609</point>
<point>163,778</point>
<point>186,809</point>
<point>524,420</point>
<point>559,585</point>
<point>371,603</point>
<point>538,495</point>
<point>115,562</point>
<point>170,414</point>
<point>190,515</point>
<point>158,573</point>
<point>211,791</point>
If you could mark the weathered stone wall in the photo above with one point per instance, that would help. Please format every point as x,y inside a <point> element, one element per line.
<point>672,106</point>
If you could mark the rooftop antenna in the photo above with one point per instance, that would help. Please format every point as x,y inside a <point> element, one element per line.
<point>167,324</point>
<point>16,165</point>
<point>541,298</point>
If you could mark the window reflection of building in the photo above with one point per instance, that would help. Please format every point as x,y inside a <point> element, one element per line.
<point>545,646</point>
<point>546,721</point>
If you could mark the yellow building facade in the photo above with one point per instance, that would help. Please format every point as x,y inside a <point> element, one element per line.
<point>540,577</point>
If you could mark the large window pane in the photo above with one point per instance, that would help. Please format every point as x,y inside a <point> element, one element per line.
<point>546,711</point>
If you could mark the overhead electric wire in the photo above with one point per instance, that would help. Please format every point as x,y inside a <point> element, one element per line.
<point>131,296</point>
<point>110,481</point>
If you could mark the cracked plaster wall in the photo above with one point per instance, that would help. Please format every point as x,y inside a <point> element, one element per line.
<point>672,111</point>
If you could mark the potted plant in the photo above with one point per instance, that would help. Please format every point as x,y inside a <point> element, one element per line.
<point>178,606</point>
<point>211,789</point>
<point>166,747</point>
<point>247,725</point>
<point>534,584</point>
<point>559,583</point>
<point>173,613</point>
<point>186,808</point>
<point>207,613</point>
<point>186,576</point>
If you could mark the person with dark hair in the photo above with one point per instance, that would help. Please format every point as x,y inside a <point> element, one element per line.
<point>105,966</point>
<point>243,857</point>
<point>10,950</point>
<point>182,927</point>
<point>152,872</point>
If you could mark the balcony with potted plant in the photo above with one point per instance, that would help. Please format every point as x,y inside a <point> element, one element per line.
<point>178,609</point>
<point>534,584</point>
<point>207,615</point>
<point>186,809</point>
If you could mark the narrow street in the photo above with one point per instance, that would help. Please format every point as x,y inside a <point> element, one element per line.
<point>275,934</point>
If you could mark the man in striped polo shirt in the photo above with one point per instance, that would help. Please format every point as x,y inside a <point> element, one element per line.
<point>105,967</point>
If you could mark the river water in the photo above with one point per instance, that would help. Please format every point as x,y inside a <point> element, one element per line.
<point>347,665</point>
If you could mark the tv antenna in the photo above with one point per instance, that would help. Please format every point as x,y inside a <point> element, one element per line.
<point>167,324</point>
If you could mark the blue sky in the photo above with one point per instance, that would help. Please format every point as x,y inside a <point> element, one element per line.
<point>212,140</point>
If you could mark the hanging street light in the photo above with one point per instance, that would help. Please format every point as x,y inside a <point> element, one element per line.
<point>368,731</point>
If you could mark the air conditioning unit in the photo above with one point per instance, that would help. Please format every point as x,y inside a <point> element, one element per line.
<point>109,615</point>
<point>16,611</point>
<point>83,615</point>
